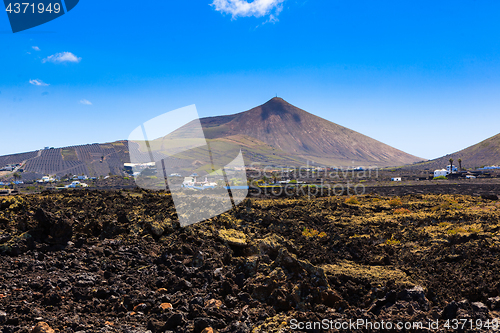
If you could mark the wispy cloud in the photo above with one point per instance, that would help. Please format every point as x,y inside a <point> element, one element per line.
<point>59,58</point>
<point>85,102</point>
<point>255,8</point>
<point>38,82</point>
<point>36,48</point>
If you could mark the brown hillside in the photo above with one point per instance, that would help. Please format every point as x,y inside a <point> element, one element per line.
<point>295,131</point>
<point>486,152</point>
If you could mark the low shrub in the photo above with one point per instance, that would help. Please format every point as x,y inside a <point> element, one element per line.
<point>395,202</point>
<point>352,200</point>
<point>401,211</point>
<point>392,241</point>
<point>470,230</point>
<point>447,205</point>
<point>313,233</point>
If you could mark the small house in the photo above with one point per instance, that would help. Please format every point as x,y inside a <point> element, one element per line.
<point>76,184</point>
<point>453,169</point>
<point>441,172</point>
<point>46,179</point>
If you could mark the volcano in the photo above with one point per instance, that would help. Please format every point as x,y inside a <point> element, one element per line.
<point>292,130</point>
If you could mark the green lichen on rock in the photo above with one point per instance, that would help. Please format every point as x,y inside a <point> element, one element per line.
<point>12,245</point>
<point>276,324</point>
<point>159,227</point>
<point>374,274</point>
<point>233,237</point>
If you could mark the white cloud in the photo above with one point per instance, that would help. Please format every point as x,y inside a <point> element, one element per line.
<point>85,102</point>
<point>38,82</point>
<point>36,48</point>
<point>255,8</point>
<point>59,58</point>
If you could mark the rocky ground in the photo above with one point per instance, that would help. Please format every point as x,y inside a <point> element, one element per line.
<point>482,187</point>
<point>118,261</point>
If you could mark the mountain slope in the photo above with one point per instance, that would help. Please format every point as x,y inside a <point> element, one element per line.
<point>486,152</point>
<point>295,131</point>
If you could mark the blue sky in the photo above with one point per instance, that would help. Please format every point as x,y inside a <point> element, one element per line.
<point>422,76</point>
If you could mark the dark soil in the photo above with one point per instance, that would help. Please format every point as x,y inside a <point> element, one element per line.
<point>118,261</point>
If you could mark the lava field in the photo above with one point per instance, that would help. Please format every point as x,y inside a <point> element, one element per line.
<point>118,261</point>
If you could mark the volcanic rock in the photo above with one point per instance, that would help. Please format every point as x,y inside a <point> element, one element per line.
<point>42,327</point>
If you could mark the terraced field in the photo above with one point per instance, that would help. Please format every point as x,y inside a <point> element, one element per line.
<point>16,158</point>
<point>91,160</point>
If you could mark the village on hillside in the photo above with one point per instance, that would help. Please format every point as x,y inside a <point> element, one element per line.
<point>262,177</point>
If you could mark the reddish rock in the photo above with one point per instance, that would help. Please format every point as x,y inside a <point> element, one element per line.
<point>213,303</point>
<point>138,307</point>
<point>208,330</point>
<point>165,306</point>
<point>162,290</point>
<point>42,327</point>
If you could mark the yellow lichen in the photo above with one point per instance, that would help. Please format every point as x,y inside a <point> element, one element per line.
<point>233,237</point>
<point>375,274</point>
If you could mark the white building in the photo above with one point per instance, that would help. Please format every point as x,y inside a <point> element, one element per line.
<point>454,169</point>
<point>76,184</point>
<point>174,175</point>
<point>491,167</point>
<point>192,183</point>
<point>46,179</point>
<point>441,172</point>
